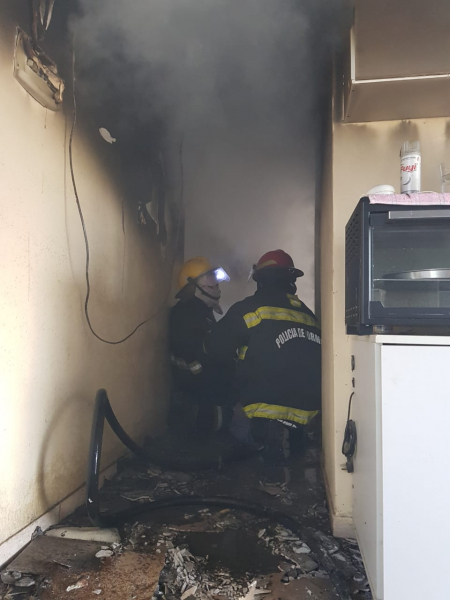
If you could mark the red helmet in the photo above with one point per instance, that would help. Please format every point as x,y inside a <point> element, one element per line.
<point>276,259</point>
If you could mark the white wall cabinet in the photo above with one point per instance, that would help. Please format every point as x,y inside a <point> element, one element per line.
<point>402,464</point>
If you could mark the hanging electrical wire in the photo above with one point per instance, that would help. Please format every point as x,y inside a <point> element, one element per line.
<point>85,235</point>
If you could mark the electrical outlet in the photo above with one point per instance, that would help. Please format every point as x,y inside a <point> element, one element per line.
<point>37,73</point>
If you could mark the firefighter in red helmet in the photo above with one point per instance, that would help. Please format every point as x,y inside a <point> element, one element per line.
<point>277,339</point>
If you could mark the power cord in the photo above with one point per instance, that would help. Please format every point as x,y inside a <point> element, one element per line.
<point>86,240</point>
<point>350,438</point>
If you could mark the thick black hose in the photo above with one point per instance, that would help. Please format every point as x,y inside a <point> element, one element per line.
<point>103,410</point>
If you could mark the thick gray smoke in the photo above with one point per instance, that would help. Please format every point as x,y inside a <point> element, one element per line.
<point>242,80</point>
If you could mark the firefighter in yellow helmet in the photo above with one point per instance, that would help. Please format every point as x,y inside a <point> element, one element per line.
<point>203,386</point>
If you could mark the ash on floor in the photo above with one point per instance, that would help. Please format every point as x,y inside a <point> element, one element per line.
<point>205,554</point>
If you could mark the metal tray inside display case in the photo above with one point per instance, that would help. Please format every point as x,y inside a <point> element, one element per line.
<point>415,280</point>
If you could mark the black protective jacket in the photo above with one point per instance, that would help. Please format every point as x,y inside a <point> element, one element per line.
<point>277,339</point>
<point>200,376</point>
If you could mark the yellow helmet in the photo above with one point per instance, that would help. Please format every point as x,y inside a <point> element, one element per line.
<point>195,268</point>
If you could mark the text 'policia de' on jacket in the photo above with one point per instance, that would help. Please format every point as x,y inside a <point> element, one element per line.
<point>277,339</point>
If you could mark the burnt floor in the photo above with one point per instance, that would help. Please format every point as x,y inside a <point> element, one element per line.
<point>205,553</point>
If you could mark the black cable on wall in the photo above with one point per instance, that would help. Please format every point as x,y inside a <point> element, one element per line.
<point>85,235</point>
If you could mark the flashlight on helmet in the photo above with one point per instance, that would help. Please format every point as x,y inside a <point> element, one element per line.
<point>221,275</point>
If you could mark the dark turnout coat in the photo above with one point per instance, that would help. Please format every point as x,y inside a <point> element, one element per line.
<point>200,376</point>
<point>277,339</point>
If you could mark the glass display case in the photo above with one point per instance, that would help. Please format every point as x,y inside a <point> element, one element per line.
<point>397,266</point>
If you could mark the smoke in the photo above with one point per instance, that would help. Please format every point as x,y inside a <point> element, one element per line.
<point>208,62</point>
<point>243,80</point>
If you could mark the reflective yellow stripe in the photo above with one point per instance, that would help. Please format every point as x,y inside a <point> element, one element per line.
<point>242,352</point>
<point>294,300</point>
<point>274,313</point>
<point>272,411</point>
<point>268,263</point>
<point>194,367</point>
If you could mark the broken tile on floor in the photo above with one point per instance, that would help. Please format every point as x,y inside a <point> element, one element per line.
<point>90,534</point>
<point>44,552</point>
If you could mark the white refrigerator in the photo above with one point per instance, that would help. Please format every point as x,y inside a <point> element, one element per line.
<point>401,473</point>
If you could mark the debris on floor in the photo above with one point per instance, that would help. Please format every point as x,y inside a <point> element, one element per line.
<point>191,553</point>
<point>236,559</point>
<point>72,549</point>
<point>80,583</point>
<point>90,534</point>
<point>43,552</point>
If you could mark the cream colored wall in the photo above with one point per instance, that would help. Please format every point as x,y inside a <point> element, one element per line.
<point>326,289</point>
<point>51,365</point>
<point>361,156</point>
